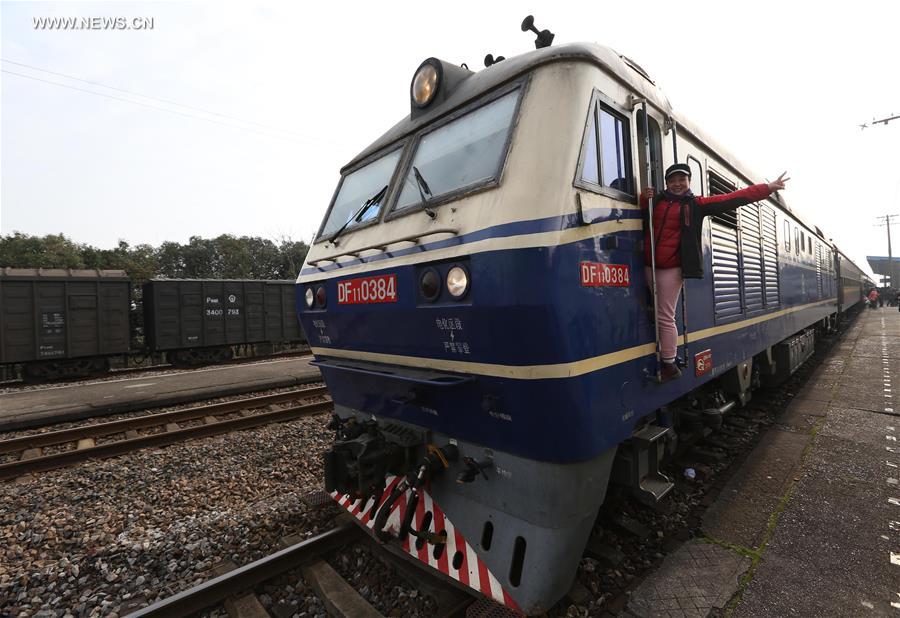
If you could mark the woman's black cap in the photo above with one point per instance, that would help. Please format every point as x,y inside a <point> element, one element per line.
<point>678,168</point>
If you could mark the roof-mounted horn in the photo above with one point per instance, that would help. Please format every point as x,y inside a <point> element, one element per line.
<point>544,37</point>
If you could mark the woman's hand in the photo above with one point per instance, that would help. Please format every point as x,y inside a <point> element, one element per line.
<point>648,193</point>
<point>778,183</point>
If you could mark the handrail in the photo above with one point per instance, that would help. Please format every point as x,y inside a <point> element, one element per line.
<point>382,246</point>
<point>428,378</point>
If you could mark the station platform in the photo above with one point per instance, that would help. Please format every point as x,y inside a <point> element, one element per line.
<point>810,523</point>
<point>67,402</point>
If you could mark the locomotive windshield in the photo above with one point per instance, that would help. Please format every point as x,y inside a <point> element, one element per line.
<point>358,187</point>
<point>462,154</point>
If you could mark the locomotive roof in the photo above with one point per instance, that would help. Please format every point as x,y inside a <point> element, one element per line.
<point>619,67</point>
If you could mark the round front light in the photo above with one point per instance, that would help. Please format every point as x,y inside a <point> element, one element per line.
<point>457,281</point>
<point>425,84</point>
<point>430,284</point>
<point>320,296</point>
<point>310,297</point>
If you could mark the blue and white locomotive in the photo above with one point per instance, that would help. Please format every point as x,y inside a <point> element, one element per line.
<point>476,302</point>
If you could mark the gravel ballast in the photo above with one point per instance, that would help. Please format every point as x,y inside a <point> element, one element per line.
<point>110,536</point>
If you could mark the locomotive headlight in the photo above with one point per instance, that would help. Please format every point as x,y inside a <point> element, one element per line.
<point>320,296</point>
<point>310,297</point>
<point>457,282</point>
<point>425,84</point>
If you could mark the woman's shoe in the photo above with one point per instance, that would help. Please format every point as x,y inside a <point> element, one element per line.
<point>668,371</point>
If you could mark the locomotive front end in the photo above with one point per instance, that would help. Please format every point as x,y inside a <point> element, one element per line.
<point>432,301</point>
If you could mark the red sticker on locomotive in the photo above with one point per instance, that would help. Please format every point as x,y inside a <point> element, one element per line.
<point>702,362</point>
<point>366,290</point>
<point>594,274</point>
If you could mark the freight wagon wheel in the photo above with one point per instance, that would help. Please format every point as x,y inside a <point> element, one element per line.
<point>184,358</point>
<point>36,372</point>
<point>75,368</point>
<point>223,355</point>
<point>100,365</point>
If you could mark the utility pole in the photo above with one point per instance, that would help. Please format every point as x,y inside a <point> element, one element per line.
<point>883,121</point>
<point>891,269</point>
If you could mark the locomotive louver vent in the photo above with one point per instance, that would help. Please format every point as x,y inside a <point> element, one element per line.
<point>720,186</point>
<point>727,280</point>
<point>752,264</point>
<point>770,255</point>
<point>819,279</point>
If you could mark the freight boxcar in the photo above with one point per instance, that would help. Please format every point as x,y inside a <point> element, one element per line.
<point>199,321</point>
<point>59,322</point>
<point>69,323</point>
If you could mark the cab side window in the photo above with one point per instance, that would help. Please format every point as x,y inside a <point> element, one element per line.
<point>656,177</point>
<point>605,165</point>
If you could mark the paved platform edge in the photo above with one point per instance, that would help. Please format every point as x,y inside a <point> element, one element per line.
<point>85,411</point>
<point>725,575</point>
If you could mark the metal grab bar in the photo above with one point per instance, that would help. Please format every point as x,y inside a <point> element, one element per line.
<point>428,378</point>
<point>382,246</point>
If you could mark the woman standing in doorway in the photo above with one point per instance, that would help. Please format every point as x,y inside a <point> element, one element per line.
<point>677,229</point>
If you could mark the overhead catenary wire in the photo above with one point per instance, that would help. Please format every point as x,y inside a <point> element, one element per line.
<point>883,121</point>
<point>156,107</point>
<point>289,137</point>
<point>147,96</point>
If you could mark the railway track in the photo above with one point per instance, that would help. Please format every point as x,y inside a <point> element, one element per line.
<point>216,591</point>
<point>235,587</point>
<point>56,449</point>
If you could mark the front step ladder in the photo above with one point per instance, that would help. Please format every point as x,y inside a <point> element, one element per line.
<point>637,464</point>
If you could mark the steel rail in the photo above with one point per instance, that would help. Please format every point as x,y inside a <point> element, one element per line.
<point>215,591</point>
<point>43,463</point>
<point>97,430</point>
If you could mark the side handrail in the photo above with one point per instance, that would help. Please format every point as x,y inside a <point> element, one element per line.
<point>439,379</point>
<point>648,169</point>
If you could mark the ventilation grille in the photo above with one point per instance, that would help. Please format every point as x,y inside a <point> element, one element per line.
<point>819,282</point>
<point>720,186</point>
<point>770,256</point>
<point>751,258</point>
<point>726,270</point>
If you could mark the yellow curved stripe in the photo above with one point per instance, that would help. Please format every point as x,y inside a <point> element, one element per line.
<point>558,370</point>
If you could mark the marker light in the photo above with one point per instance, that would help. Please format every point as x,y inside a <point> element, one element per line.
<point>310,297</point>
<point>430,284</point>
<point>425,84</point>
<point>457,282</point>
<point>320,296</point>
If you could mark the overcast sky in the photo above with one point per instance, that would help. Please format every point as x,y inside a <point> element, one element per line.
<point>249,110</point>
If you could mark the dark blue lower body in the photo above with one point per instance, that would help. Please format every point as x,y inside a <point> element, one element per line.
<point>527,307</point>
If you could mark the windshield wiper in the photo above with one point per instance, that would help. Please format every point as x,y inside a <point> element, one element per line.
<point>423,189</point>
<point>359,213</point>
